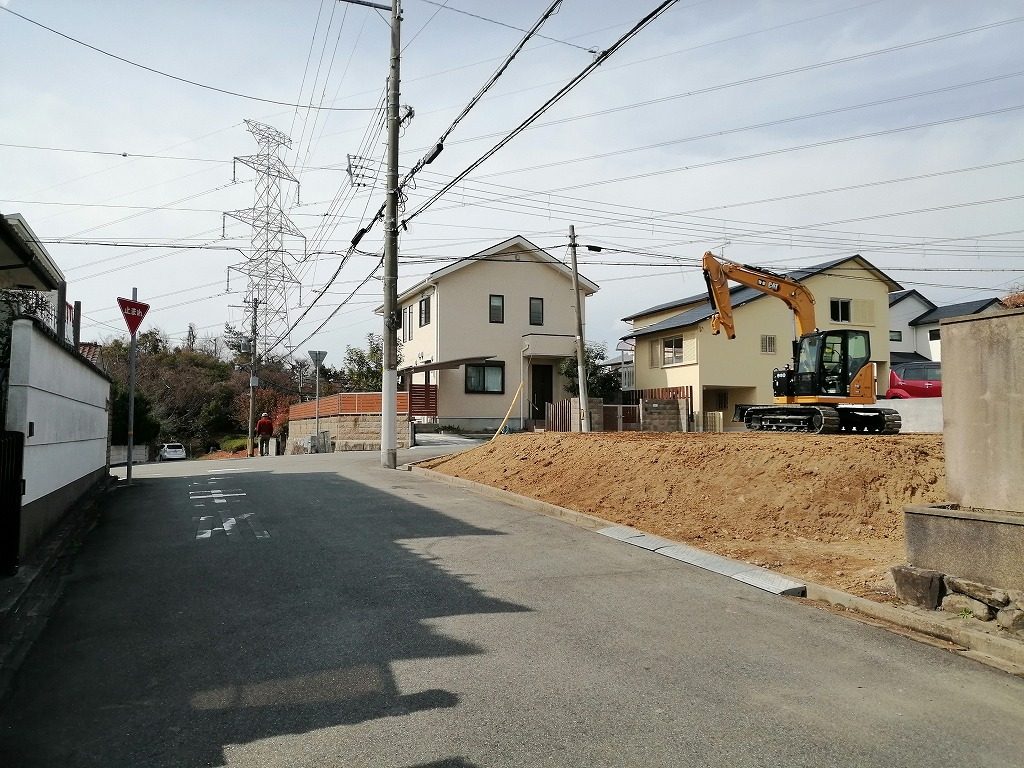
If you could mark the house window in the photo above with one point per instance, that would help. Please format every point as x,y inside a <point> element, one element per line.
<point>895,335</point>
<point>424,311</point>
<point>485,379</point>
<point>408,323</point>
<point>496,308</point>
<point>767,345</point>
<point>839,310</point>
<point>536,311</point>
<point>678,350</point>
<point>933,334</point>
<point>655,360</point>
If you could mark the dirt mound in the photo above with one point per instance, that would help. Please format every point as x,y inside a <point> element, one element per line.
<point>824,509</point>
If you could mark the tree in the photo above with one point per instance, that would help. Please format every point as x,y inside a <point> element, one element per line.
<point>1015,298</point>
<point>602,382</point>
<point>361,370</point>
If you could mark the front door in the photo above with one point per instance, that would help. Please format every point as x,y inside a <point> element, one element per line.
<point>543,378</point>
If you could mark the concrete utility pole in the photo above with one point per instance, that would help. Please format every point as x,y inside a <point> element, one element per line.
<point>389,394</point>
<point>253,380</point>
<point>581,365</point>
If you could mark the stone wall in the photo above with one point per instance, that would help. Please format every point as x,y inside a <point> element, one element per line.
<point>932,589</point>
<point>347,432</point>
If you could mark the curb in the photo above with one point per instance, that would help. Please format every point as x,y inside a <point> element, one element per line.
<point>990,649</point>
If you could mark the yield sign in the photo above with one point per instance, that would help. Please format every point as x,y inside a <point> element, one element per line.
<point>133,312</point>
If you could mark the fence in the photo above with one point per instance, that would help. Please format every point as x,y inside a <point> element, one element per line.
<point>12,445</point>
<point>420,400</point>
<point>558,416</point>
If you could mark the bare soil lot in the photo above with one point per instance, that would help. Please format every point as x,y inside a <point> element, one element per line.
<point>827,509</point>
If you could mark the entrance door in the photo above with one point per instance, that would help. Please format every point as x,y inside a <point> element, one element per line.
<point>543,378</point>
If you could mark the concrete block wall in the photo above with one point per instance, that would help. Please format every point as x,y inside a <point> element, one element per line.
<point>596,408</point>
<point>983,409</point>
<point>662,416</point>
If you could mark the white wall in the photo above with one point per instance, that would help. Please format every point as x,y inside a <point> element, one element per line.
<point>63,402</point>
<point>900,315</point>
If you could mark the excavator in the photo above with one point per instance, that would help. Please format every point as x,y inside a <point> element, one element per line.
<point>830,385</point>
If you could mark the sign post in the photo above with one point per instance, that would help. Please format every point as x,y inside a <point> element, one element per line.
<point>134,311</point>
<point>317,356</point>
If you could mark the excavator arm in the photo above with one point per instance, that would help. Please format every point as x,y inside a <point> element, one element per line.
<point>717,275</point>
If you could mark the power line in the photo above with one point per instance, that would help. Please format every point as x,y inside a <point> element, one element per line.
<point>600,59</point>
<point>174,77</point>
<point>447,7</point>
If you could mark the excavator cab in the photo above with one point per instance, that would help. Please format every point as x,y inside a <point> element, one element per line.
<point>825,364</point>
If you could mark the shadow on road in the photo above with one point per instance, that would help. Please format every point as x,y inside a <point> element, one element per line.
<point>168,647</point>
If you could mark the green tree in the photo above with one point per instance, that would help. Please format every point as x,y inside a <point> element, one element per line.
<point>361,370</point>
<point>602,382</point>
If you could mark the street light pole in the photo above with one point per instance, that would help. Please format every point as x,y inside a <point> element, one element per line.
<point>317,356</point>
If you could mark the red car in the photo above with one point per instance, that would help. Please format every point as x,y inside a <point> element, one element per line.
<point>914,380</point>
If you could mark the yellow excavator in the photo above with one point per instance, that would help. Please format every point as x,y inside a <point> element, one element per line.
<point>831,379</point>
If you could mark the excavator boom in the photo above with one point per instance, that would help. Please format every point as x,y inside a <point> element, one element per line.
<point>718,273</point>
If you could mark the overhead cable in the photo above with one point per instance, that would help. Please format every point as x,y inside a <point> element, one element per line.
<point>175,77</point>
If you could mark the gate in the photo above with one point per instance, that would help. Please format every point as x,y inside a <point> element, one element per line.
<point>621,418</point>
<point>12,449</point>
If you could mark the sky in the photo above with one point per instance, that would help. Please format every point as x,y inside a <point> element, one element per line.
<point>776,133</point>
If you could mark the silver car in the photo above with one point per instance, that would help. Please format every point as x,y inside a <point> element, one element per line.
<point>170,451</point>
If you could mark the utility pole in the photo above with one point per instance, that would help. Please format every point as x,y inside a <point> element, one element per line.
<point>581,365</point>
<point>253,380</point>
<point>389,394</point>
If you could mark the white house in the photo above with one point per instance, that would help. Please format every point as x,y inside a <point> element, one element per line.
<point>490,331</point>
<point>914,324</point>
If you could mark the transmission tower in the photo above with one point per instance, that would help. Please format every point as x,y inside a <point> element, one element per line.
<point>267,268</point>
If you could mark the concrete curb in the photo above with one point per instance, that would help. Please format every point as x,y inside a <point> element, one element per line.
<point>991,649</point>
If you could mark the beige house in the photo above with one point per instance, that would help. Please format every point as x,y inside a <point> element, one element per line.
<point>675,346</point>
<point>488,326</point>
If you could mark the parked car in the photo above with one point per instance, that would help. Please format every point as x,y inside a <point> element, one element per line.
<point>915,380</point>
<point>170,451</point>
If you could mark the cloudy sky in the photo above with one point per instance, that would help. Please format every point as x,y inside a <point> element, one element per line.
<point>784,133</point>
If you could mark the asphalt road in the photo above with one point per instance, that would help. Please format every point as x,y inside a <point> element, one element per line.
<point>322,611</point>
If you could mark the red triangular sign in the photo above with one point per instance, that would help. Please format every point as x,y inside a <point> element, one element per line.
<point>133,312</point>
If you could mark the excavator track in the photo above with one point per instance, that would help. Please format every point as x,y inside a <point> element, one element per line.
<point>822,419</point>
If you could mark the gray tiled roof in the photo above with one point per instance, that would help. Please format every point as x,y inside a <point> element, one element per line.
<point>954,310</point>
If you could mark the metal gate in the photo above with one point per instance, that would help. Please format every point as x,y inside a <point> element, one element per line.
<point>12,450</point>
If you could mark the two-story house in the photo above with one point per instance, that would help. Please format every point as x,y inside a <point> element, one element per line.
<point>488,326</point>
<point>914,324</point>
<point>675,346</point>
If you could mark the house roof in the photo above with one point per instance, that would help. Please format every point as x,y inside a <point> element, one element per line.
<point>589,287</point>
<point>906,357</point>
<point>24,261</point>
<point>954,310</point>
<point>740,295</point>
<point>897,296</point>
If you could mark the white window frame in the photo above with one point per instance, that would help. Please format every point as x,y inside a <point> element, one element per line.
<point>768,345</point>
<point>837,303</point>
